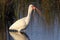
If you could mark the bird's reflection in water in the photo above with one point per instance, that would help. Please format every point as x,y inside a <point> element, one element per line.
<point>18,36</point>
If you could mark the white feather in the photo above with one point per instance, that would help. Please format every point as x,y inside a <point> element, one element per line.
<point>22,23</point>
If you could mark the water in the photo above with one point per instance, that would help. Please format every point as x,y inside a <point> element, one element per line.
<point>39,30</point>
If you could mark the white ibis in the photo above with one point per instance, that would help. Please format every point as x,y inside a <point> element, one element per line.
<point>22,23</point>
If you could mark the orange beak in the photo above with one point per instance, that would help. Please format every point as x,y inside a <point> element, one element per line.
<point>33,7</point>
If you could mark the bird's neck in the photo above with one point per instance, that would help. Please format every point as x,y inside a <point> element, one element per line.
<point>29,12</point>
<point>28,16</point>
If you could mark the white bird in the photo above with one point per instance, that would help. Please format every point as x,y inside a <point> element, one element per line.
<point>22,23</point>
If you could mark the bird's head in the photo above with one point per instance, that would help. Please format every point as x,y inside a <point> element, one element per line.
<point>33,7</point>
<point>30,8</point>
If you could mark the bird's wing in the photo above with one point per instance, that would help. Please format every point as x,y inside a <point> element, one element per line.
<point>19,24</point>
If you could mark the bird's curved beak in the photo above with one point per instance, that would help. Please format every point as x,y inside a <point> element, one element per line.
<point>38,11</point>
